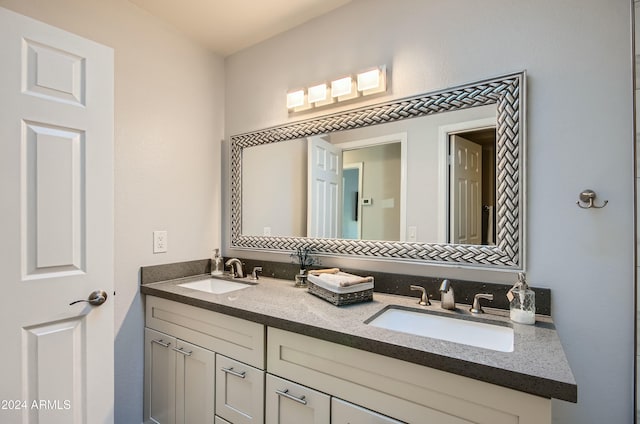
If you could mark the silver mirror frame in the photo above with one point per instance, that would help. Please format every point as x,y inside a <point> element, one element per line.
<point>507,92</point>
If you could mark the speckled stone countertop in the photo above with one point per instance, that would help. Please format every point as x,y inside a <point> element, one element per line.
<point>537,365</point>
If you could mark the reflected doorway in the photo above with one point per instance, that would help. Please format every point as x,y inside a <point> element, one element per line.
<point>472,187</point>
<point>351,206</point>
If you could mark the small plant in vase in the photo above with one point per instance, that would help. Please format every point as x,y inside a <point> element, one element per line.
<point>303,255</point>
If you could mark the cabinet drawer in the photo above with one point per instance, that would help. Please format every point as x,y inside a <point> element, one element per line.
<point>399,389</point>
<point>347,413</point>
<point>219,420</point>
<point>291,403</point>
<point>239,392</point>
<point>230,336</point>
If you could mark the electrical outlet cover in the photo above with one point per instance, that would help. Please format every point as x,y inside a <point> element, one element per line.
<point>159,241</point>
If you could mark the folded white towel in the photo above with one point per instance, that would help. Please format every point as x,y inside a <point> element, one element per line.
<point>344,279</point>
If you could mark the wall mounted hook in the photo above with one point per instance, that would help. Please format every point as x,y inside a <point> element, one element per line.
<point>588,197</point>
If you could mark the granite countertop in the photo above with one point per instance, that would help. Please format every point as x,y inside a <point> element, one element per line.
<point>537,365</point>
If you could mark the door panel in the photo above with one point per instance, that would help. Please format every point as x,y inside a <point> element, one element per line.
<point>56,164</point>
<point>466,191</point>
<point>195,378</point>
<point>325,175</point>
<point>160,377</point>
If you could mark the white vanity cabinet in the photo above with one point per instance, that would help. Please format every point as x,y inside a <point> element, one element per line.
<point>179,380</point>
<point>181,343</point>
<point>239,392</point>
<point>291,403</point>
<point>405,391</point>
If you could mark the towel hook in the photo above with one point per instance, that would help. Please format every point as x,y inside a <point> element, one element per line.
<point>588,197</point>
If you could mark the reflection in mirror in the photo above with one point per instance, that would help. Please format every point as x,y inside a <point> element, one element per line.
<point>446,214</point>
<point>430,179</point>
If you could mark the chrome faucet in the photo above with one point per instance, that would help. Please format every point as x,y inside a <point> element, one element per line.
<point>447,297</point>
<point>236,267</point>
<point>477,308</point>
<point>424,298</point>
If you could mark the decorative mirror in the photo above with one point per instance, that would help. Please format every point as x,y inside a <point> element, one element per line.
<point>427,208</point>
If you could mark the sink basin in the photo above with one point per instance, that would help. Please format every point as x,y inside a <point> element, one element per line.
<point>469,332</point>
<point>215,285</point>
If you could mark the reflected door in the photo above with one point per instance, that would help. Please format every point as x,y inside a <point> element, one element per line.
<point>465,194</point>
<point>56,159</point>
<point>324,198</point>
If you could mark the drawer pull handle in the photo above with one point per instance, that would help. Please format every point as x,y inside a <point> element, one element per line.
<point>231,371</point>
<point>161,343</point>
<point>184,352</point>
<point>285,393</point>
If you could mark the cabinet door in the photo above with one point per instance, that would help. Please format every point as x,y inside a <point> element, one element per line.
<point>219,420</point>
<point>290,403</point>
<point>347,413</point>
<point>239,392</point>
<point>159,377</point>
<point>195,378</point>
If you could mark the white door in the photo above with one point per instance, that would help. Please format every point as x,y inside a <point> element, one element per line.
<point>56,183</point>
<point>466,191</point>
<point>324,196</point>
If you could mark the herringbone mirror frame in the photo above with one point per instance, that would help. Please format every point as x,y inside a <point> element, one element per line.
<point>506,92</point>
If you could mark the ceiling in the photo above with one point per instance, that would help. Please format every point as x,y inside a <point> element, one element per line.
<point>227,26</point>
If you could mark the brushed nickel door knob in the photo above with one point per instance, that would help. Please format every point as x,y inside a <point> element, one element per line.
<point>96,298</point>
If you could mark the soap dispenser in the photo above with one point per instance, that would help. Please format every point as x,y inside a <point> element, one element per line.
<point>522,302</point>
<point>217,268</point>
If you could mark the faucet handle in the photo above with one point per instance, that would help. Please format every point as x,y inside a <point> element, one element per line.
<point>254,273</point>
<point>424,299</point>
<point>477,308</point>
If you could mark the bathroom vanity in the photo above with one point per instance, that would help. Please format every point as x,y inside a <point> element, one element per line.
<point>273,353</point>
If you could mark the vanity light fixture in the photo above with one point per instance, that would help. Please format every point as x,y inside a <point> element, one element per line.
<point>317,93</point>
<point>342,87</point>
<point>295,99</point>
<point>369,82</point>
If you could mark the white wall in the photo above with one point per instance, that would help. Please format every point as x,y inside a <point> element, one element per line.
<point>381,184</point>
<point>275,174</point>
<point>169,97</point>
<point>577,55</point>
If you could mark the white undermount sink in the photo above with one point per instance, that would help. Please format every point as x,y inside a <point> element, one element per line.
<point>215,285</point>
<point>464,331</point>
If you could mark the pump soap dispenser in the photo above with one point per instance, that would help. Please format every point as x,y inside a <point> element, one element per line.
<point>217,268</point>
<point>522,302</point>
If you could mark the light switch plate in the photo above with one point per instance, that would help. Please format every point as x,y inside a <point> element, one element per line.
<point>159,241</point>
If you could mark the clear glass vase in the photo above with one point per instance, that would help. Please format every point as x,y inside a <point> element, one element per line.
<point>301,279</point>
<point>522,308</point>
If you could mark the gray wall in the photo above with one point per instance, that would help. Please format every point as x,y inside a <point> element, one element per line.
<point>577,55</point>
